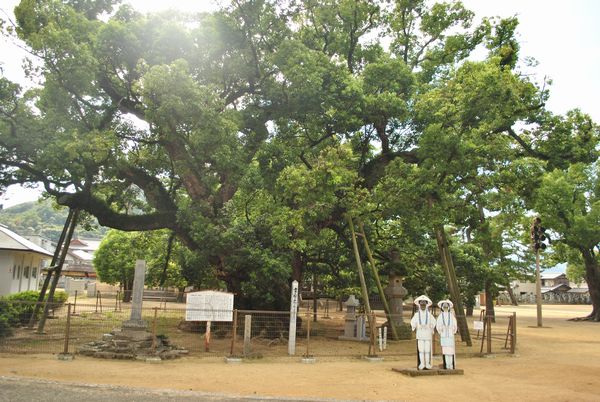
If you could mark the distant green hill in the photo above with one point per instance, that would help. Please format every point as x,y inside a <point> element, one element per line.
<point>43,218</point>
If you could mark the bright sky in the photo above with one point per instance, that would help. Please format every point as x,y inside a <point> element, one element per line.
<point>563,36</point>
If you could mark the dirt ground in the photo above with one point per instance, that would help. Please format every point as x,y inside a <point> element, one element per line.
<point>560,362</point>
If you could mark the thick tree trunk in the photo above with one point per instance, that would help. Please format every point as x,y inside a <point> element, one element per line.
<point>489,300</point>
<point>470,310</point>
<point>297,266</point>
<point>592,274</point>
<point>511,294</point>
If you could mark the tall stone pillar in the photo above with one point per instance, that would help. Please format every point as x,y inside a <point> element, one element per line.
<point>135,321</point>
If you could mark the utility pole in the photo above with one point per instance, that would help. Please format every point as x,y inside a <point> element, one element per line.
<point>538,236</point>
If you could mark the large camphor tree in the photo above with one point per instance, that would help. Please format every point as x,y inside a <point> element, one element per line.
<point>207,125</point>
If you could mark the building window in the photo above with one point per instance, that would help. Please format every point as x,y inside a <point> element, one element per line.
<point>19,272</point>
<point>33,272</point>
<point>26,272</point>
<point>14,271</point>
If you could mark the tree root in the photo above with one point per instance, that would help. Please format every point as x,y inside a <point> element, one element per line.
<point>591,317</point>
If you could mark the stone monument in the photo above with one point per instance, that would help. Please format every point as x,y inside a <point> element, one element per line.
<point>395,294</point>
<point>135,321</point>
<point>132,340</point>
<point>355,326</point>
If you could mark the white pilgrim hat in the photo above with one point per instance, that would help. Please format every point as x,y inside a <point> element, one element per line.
<point>423,297</point>
<point>445,301</point>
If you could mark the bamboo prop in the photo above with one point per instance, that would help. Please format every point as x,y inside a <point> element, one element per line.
<point>363,286</point>
<point>57,271</point>
<point>386,306</point>
<point>55,259</point>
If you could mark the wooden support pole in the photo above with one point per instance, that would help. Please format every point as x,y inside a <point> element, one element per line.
<point>363,285</point>
<point>154,328</point>
<point>307,335</point>
<point>52,269</point>
<point>63,254</point>
<point>489,334</point>
<point>234,333</point>
<point>513,339</point>
<point>386,306</point>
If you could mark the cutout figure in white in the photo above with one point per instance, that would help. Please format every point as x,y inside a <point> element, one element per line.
<point>424,323</point>
<point>446,326</point>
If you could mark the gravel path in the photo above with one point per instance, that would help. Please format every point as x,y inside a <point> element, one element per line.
<point>19,389</point>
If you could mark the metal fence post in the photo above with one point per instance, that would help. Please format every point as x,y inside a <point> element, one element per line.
<point>75,303</point>
<point>67,330</point>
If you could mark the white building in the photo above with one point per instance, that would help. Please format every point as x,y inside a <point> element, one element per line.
<point>20,262</point>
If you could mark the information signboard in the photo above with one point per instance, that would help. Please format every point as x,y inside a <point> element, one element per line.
<point>209,305</point>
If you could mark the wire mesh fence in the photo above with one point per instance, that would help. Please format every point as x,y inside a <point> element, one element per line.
<point>250,334</point>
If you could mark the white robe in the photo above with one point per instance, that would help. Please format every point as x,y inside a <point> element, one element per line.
<point>446,326</point>
<point>424,322</point>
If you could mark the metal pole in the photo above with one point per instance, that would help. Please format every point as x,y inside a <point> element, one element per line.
<point>67,330</point>
<point>538,288</point>
<point>75,303</point>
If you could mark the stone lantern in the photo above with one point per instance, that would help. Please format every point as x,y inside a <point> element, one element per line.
<point>395,294</point>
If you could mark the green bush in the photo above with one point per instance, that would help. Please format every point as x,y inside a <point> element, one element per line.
<point>16,309</point>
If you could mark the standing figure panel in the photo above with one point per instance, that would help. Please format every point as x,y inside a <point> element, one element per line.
<point>446,326</point>
<point>424,323</point>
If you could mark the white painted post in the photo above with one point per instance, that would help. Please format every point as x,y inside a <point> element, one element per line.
<point>293,317</point>
<point>385,338</point>
<point>247,333</point>
<point>380,334</point>
<point>207,337</point>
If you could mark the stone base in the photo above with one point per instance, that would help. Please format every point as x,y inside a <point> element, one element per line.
<point>308,360</point>
<point>353,338</point>
<point>128,343</point>
<point>65,357</point>
<point>373,359</point>
<point>233,360</point>
<point>135,325</point>
<point>413,372</point>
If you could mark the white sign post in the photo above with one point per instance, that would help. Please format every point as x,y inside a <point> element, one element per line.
<point>209,306</point>
<point>293,317</point>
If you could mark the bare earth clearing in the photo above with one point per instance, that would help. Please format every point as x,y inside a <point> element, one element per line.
<point>559,363</point>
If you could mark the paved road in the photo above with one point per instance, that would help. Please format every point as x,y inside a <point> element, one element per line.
<point>16,389</point>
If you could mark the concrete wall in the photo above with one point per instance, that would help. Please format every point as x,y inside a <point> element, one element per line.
<point>6,275</point>
<point>19,271</point>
